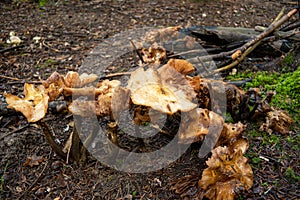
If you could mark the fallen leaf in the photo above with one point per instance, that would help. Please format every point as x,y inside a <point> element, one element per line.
<point>33,160</point>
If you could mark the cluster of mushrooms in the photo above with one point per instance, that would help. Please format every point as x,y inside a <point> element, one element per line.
<point>168,89</point>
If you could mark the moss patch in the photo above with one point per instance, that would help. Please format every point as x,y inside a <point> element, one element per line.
<point>285,85</point>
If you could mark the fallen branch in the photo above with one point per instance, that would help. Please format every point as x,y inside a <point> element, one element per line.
<point>238,59</point>
<point>270,29</point>
<point>11,48</point>
<point>251,45</point>
<point>10,78</point>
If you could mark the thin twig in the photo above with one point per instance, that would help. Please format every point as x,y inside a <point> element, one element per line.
<point>11,48</point>
<point>46,45</point>
<point>24,81</point>
<point>291,26</point>
<point>137,52</point>
<point>11,132</point>
<point>206,58</point>
<point>18,81</point>
<point>116,74</point>
<point>279,16</point>
<point>36,180</point>
<point>10,78</point>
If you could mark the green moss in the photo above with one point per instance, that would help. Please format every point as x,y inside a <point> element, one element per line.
<point>256,160</point>
<point>228,118</point>
<point>285,85</point>
<point>265,184</point>
<point>290,174</point>
<point>288,59</point>
<point>48,63</point>
<point>2,181</point>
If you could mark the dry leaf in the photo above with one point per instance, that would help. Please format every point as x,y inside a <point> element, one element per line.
<point>33,106</point>
<point>226,175</point>
<point>60,182</point>
<point>33,160</point>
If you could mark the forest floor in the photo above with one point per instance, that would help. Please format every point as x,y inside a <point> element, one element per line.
<point>69,31</point>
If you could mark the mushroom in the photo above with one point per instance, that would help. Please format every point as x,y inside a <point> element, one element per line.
<point>56,84</point>
<point>101,106</point>
<point>196,124</point>
<point>33,106</point>
<point>230,133</point>
<point>73,79</point>
<point>164,90</point>
<point>227,174</point>
<point>182,66</point>
<point>277,120</point>
<point>163,34</point>
<point>154,54</point>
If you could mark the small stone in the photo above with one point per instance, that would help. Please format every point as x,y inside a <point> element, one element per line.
<point>40,192</point>
<point>257,190</point>
<point>56,165</point>
<point>96,194</point>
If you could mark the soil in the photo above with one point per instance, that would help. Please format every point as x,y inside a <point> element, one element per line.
<point>69,31</point>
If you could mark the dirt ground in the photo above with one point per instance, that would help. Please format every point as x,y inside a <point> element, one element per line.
<point>70,30</point>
